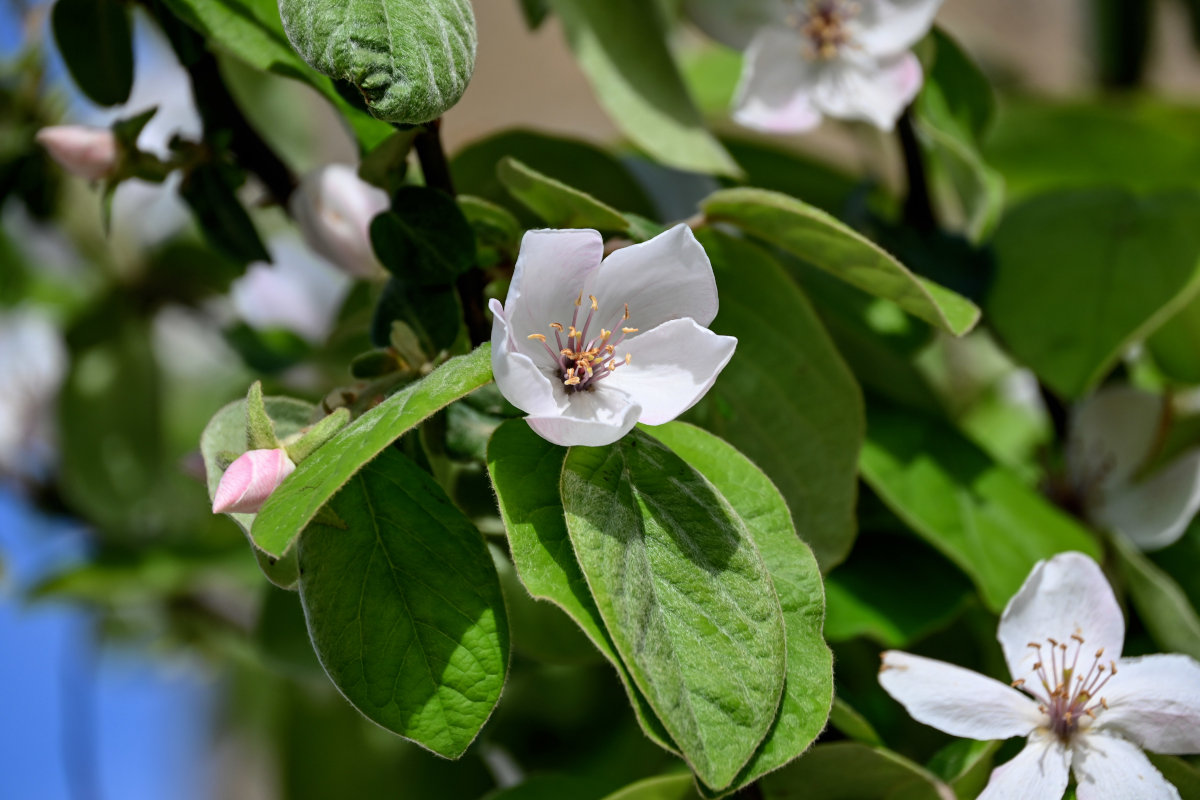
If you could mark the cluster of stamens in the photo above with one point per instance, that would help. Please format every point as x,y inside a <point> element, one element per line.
<point>582,362</point>
<point>823,25</point>
<point>1068,695</point>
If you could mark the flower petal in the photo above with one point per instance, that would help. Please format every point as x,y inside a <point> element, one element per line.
<point>668,277</point>
<point>889,27</point>
<point>956,700</point>
<point>872,91</point>
<point>671,367</point>
<point>552,268</point>
<point>735,23</point>
<point>1111,435</point>
<point>1155,702</point>
<point>518,377</point>
<point>1040,770</point>
<point>249,481</point>
<point>1108,768</point>
<point>775,91</point>
<point>592,419</point>
<point>1064,595</point>
<point>1155,512</point>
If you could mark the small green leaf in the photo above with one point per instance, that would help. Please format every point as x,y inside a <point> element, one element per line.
<point>555,202</point>
<point>220,214</point>
<point>684,594</point>
<point>411,59</point>
<point>852,771</point>
<point>497,231</point>
<point>320,433</point>
<point>966,765</point>
<point>425,238</point>
<point>95,39</point>
<point>404,606</point>
<point>1162,606</point>
<point>846,719</point>
<point>260,430</point>
<point>432,313</point>
<point>294,504</point>
<point>824,242</point>
<point>663,787</point>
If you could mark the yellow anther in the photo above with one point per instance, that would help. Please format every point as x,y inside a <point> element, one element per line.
<point>557,326</point>
<point>537,336</point>
<point>628,357</point>
<point>571,381</point>
<point>1100,652</point>
<point>1077,637</point>
<point>626,311</point>
<point>629,330</point>
<point>592,297</point>
<point>604,334</point>
<point>573,333</point>
<point>579,300</point>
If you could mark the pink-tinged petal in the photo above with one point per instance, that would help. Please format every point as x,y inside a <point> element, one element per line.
<point>87,152</point>
<point>523,382</point>
<point>1108,768</point>
<point>1155,512</point>
<point>666,278</point>
<point>551,270</point>
<point>777,84</point>
<point>670,368</point>
<point>249,481</point>
<point>956,700</point>
<point>889,27</point>
<point>871,91</point>
<point>1040,770</point>
<point>1155,702</point>
<point>735,23</point>
<point>333,208</point>
<point>592,419</point>
<point>1063,596</point>
<point>1111,435</point>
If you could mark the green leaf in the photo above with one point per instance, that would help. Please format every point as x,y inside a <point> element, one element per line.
<point>1082,275</point>
<point>978,514</point>
<point>294,504</point>
<point>852,771</point>
<point>1162,606</point>
<point>411,59</point>
<point>404,606</point>
<point>808,686</point>
<point>1176,345</point>
<point>795,411</point>
<point>555,202</point>
<point>220,214</point>
<point>663,787</point>
<point>425,238</point>
<point>684,594</point>
<point>622,48</point>
<point>525,471</point>
<point>432,313</point>
<point>824,242</point>
<point>497,231</point>
<point>848,721</point>
<point>966,765</point>
<point>95,40</point>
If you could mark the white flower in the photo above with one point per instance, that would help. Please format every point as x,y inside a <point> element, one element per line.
<point>807,59</point>
<point>588,349</point>
<point>1084,708</point>
<point>1112,437</point>
<point>297,291</point>
<point>81,150</point>
<point>250,480</point>
<point>33,362</point>
<point>334,209</point>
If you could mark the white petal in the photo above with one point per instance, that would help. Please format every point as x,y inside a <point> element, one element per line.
<point>1040,771</point>
<point>671,367</point>
<point>1108,768</point>
<point>1111,435</point>
<point>1155,512</point>
<point>519,379</point>
<point>552,268</point>
<point>872,91</point>
<point>668,277</point>
<point>592,419</point>
<point>1154,701</point>
<point>1064,595</point>
<point>775,91</point>
<point>956,700</point>
<point>735,22</point>
<point>889,27</point>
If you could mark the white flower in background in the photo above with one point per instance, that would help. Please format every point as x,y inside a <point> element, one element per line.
<point>808,59</point>
<point>1084,708</point>
<point>1113,435</point>
<point>588,349</point>
<point>33,362</point>
<point>249,481</point>
<point>334,208</point>
<point>298,291</point>
<point>81,150</point>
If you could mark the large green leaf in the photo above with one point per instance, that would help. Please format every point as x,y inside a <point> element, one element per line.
<point>1163,607</point>
<point>404,606</point>
<point>424,237</point>
<point>684,594</point>
<point>853,771</point>
<point>1081,275</point>
<point>808,686</point>
<point>294,504</point>
<point>978,514</point>
<point>1176,345</point>
<point>824,242</point>
<point>95,40</point>
<point>555,202</point>
<point>525,471</point>
<point>622,48</point>
<point>411,59</point>
<point>794,410</point>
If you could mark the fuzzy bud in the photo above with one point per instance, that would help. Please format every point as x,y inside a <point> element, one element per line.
<point>87,152</point>
<point>334,209</point>
<point>249,481</point>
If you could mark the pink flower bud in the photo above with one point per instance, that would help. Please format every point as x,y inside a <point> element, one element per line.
<point>334,209</point>
<point>249,481</point>
<point>87,152</point>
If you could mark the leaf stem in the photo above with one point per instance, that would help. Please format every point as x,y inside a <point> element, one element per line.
<point>918,205</point>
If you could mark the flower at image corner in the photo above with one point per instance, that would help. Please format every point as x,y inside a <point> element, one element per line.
<point>1083,707</point>
<point>809,59</point>
<point>589,346</point>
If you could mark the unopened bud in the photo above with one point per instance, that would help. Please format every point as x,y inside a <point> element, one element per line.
<point>334,209</point>
<point>249,481</point>
<point>87,152</point>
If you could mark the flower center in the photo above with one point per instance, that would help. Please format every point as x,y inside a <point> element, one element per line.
<point>584,362</point>
<point>823,25</point>
<point>1068,694</point>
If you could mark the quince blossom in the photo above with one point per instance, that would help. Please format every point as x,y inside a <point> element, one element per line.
<point>249,481</point>
<point>588,349</point>
<point>334,208</point>
<point>1084,708</point>
<point>81,150</point>
<point>807,59</point>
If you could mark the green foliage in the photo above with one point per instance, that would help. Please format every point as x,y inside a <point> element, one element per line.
<point>555,202</point>
<point>424,238</point>
<point>1168,616</point>
<point>666,787</point>
<point>223,220</point>
<point>852,771</point>
<point>95,39</point>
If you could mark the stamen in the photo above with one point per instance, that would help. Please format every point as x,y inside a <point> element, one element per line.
<point>537,336</point>
<point>1071,699</point>
<point>582,362</point>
